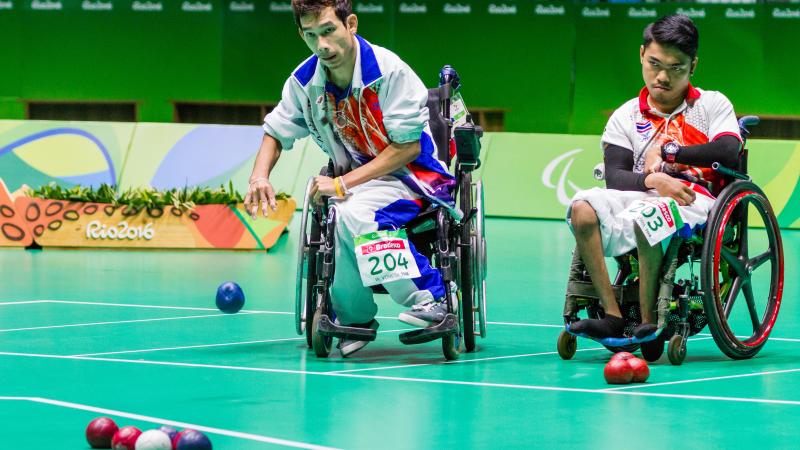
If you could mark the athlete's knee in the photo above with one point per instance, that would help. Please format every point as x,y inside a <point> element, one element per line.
<point>583,217</point>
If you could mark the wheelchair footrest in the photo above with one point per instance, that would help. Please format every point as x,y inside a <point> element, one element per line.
<point>618,341</point>
<point>326,327</point>
<point>447,326</point>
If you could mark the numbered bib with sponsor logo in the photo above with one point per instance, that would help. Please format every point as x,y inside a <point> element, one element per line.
<point>658,218</point>
<point>384,256</point>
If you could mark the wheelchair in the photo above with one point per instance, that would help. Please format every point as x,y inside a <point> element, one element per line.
<point>722,251</point>
<point>455,246</point>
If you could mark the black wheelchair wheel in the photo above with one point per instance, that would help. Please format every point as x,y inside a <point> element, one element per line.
<point>728,270</point>
<point>452,346</point>
<point>676,350</point>
<point>305,270</point>
<point>567,345</point>
<point>311,280</point>
<point>652,351</point>
<point>321,344</point>
<point>466,261</point>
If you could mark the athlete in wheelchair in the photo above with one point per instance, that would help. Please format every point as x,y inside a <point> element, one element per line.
<point>676,169</point>
<point>382,216</point>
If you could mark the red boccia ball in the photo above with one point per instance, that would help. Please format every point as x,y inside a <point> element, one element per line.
<point>640,370</point>
<point>100,431</point>
<point>618,371</point>
<point>623,355</point>
<point>125,438</point>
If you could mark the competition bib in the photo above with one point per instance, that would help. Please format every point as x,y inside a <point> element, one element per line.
<point>384,256</point>
<point>658,218</point>
<point>458,111</point>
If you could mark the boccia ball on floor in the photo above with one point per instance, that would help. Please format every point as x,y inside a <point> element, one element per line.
<point>125,438</point>
<point>153,440</point>
<point>170,431</point>
<point>100,431</point>
<point>230,297</point>
<point>193,440</point>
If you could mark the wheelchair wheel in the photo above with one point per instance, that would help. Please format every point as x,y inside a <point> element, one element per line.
<point>306,267</point>
<point>652,351</point>
<point>452,346</point>
<point>321,344</point>
<point>567,345</point>
<point>676,350</point>
<point>480,267</point>
<point>467,261</point>
<point>728,270</point>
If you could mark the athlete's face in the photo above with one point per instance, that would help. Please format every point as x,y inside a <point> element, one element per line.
<point>666,71</point>
<point>329,38</point>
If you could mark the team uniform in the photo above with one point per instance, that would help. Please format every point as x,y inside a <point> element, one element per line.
<point>704,116</point>
<point>385,103</point>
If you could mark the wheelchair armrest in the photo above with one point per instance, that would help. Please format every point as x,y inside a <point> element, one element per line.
<point>729,172</point>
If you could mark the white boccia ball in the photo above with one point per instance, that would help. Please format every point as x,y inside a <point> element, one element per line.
<point>153,440</point>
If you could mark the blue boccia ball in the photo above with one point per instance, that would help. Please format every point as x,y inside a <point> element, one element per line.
<point>193,440</point>
<point>230,297</point>
<point>170,431</point>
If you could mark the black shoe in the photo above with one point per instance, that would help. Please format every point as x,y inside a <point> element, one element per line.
<point>608,326</point>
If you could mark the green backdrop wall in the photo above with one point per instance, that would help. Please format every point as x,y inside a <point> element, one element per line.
<point>554,67</point>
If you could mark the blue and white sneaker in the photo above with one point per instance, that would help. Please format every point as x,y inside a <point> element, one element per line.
<point>349,346</point>
<point>425,314</point>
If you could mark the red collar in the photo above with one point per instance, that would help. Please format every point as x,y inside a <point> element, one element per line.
<point>692,94</point>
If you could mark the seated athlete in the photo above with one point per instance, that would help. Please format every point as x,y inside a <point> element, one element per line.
<point>660,144</point>
<point>367,110</point>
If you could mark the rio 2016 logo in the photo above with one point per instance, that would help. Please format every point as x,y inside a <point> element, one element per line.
<point>562,183</point>
<point>121,231</point>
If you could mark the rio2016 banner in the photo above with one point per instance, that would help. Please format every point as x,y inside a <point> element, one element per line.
<point>525,175</point>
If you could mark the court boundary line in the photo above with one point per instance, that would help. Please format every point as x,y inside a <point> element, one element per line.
<point>697,380</point>
<point>416,380</point>
<point>174,423</point>
<point>221,344</point>
<point>256,311</point>
<point>113,322</point>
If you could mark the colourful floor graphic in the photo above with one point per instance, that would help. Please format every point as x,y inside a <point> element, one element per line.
<point>134,335</point>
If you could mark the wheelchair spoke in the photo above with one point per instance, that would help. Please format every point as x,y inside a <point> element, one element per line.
<point>733,261</point>
<point>751,305</point>
<point>743,238</point>
<point>756,262</point>
<point>736,286</point>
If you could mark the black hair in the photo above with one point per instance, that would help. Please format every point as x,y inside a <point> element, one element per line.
<point>676,31</point>
<point>301,8</point>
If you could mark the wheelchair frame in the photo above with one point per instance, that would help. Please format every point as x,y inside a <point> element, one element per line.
<point>455,246</point>
<point>688,305</point>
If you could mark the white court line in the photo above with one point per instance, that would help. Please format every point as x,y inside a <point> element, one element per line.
<point>92,324</point>
<point>460,361</point>
<point>25,302</point>
<point>135,305</point>
<point>173,423</point>
<point>414,380</point>
<point>697,380</point>
<point>189,308</point>
<point>222,344</point>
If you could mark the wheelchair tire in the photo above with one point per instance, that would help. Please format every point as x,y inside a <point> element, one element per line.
<point>321,344</point>
<point>652,351</point>
<point>303,283</point>
<point>480,266</point>
<point>567,345</point>
<point>452,346</point>
<point>676,350</point>
<point>732,260</point>
<point>466,263</point>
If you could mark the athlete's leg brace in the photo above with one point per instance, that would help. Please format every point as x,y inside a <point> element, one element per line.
<point>381,204</point>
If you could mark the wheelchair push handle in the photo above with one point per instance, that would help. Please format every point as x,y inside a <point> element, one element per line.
<point>729,172</point>
<point>448,75</point>
<point>745,122</point>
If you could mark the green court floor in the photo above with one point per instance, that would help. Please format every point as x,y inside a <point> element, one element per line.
<point>135,335</point>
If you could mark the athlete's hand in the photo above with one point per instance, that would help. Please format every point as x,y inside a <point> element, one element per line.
<point>671,187</point>
<point>260,191</point>
<point>652,161</point>
<point>322,187</point>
